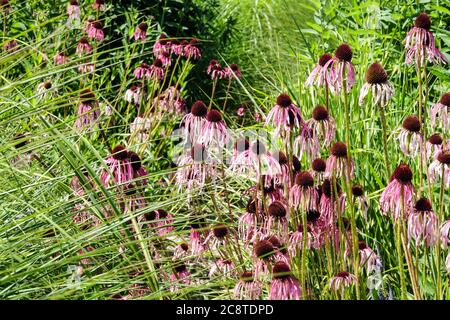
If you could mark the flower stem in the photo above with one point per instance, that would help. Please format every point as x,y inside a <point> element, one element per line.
<point>386,156</point>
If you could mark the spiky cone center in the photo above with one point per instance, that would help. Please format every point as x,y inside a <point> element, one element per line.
<point>87,96</point>
<point>214,116</point>
<point>162,214</point>
<point>403,174</point>
<point>445,99</point>
<point>72,2</point>
<point>135,160</point>
<point>184,246</point>
<point>251,206</point>
<point>320,113</point>
<point>344,53</point>
<point>47,85</point>
<point>277,210</point>
<point>376,74</point>
<point>281,270</point>
<point>281,157</point>
<point>304,179</point>
<point>444,157</point>
<point>220,231</point>
<point>296,164</point>
<point>339,149</point>
<point>412,124</point>
<point>423,21</point>
<point>284,100</point>
<point>362,245</point>
<point>158,63</point>
<point>179,267</point>
<point>264,249</point>
<point>324,59</point>
<point>234,67</point>
<point>435,139</point>
<point>357,190</point>
<point>150,216</point>
<point>119,153</point>
<point>327,188</point>
<point>143,26</point>
<point>247,276</point>
<point>97,25</point>
<point>276,243</point>
<point>312,215</point>
<point>423,204</point>
<point>199,109</point>
<point>319,165</point>
<point>343,274</point>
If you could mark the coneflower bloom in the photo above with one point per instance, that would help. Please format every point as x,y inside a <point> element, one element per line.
<point>423,224</point>
<point>140,129</point>
<point>360,200</point>
<point>177,47</point>
<point>409,136</point>
<point>278,219</point>
<point>191,50</point>
<point>181,251</point>
<point>156,70</point>
<point>142,71</point>
<point>296,239</point>
<point>170,101</point>
<point>221,267</point>
<point>367,257</point>
<point>140,34</point>
<point>338,162</point>
<point>45,90</point>
<point>445,233</point>
<point>318,168</point>
<point>248,222</point>
<point>215,70</point>
<point>272,189</point>
<point>180,275</point>
<point>281,253</point>
<point>440,163</point>
<point>119,168</point>
<point>328,201</point>
<point>138,168</point>
<point>88,111</point>
<point>342,68</point>
<point>342,280</point>
<point>218,236</point>
<point>95,31</point>
<point>73,10</point>
<point>247,288</point>
<point>284,116</point>
<point>240,145</point>
<point>377,83</point>
<point>440,113</point>
<point>165,58</point>
<point>307,143</point>
<point>323,125</point>
<point>197,238</point>
<point>433,145</point>
<point>83,46</point>
<point>263,254</point>
<point>283,177</point>
<point>284,285</point>
<point>86,68</point>
<point>241,111</point>
<point>162,44</point>
<point>164,222</point>
<point>320,75</point>
<point>11,45</point>
<point>232,71</point>
<point>194,168</point>
<point>60,58</point>
<point>134,94</point>
<point>98,5</point>
<point>421,44</point>
<point>391,197</point>
<point>195,120</point>
<point>214,130</point>
<point>303,195</point>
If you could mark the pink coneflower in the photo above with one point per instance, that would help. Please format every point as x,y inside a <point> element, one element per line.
<point>170,101</point>
<point>119,166</point>
<point>283,161</point>
<point>440,163</point>
<point>86,68</point>
<point>278,219</point>
<point>296,239</point>
<point>215,70</point>
<point>241,111</point>
<point>181,251</point>
<point>307,143</point>
<point>391,197</point>
<point>337,162</point>
<point>197,238</point>
<point>409,136</point>
<point>318,168</point>
<point>45,90</point>
<point>140,129</point>
<point>263,254</point>
<point>271,188</point>
<point>323,125</point>
<point>284,286</point>
<point>10,45</point>
<point>221,267</point>
<point>433,145</point>
<point>194,168</point>
<point>232,71</point>
<point>377,83</point>
<point>191,50</point>
<point>60,58</point>
<point>156,70</point>
<point>248,222</point>
<point>83,46</point>
<point>218,236</point>
<point>95,31</point>
<point>98,5</point>
<point>162,44</point>
<point>303,195</point>
<point>214,130</point>
<point>321,74</point>
<point>240,164</point>
<point>180,275</point>
<point>73,10</point>
<point>165,58</point>
<point>328,201</point>
<point>134,94</point>
<point>140,34</point>
<point>423,224</point>
<point>342,280</point>
<point>177,47</point>
<point>139,170</point>
<point>164,222</point>
<point>445,233</point>
<point>142,71</point>
<point>342,68</point>
<point>247,288</point>
<point>88,111</point>
<point>284,116</point>
<point>360,200</point>
<point>195,120</point>
<point>367,257</point>
<point>421,44</point>
<point>440,113</point>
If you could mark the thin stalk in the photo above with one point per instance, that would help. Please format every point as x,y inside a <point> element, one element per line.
<point>385,149</point>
